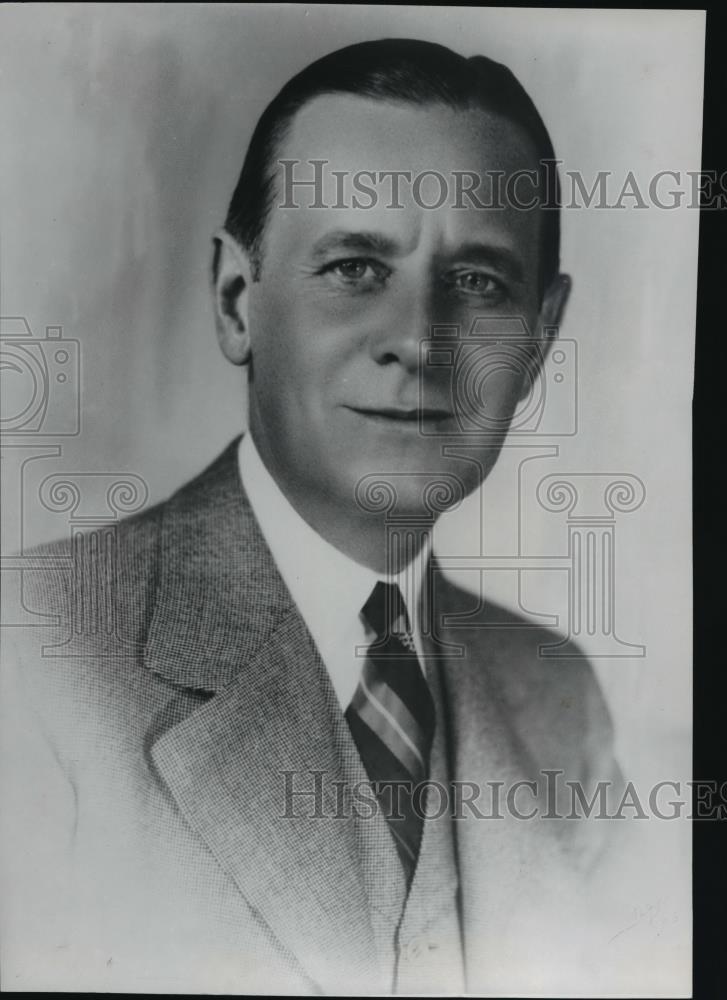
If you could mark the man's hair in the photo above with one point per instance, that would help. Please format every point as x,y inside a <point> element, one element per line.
<point>398,70</point>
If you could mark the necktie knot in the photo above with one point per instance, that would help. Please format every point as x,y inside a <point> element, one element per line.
<point>385,612</point>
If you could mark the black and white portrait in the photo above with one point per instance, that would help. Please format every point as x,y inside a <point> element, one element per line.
<point>347,364</point>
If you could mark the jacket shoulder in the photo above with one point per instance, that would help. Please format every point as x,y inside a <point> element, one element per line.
<point>107,572</point>
<point>113,569</point>
<point>542,683</point>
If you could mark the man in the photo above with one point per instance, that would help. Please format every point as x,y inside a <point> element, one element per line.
<point>238,785</point>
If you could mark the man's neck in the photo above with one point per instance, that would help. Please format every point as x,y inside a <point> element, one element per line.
<point>376,545</point>
<point>366,538</point>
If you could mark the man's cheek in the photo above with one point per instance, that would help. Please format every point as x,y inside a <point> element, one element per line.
<point>351,312</point>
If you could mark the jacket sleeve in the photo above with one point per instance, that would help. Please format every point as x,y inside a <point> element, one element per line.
<point>38,809</point>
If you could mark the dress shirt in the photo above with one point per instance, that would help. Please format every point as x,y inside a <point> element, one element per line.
<point>329,588</point>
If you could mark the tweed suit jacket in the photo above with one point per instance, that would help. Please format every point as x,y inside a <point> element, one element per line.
<point>152,720</point>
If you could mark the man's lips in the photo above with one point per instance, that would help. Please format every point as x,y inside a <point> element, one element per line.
<point>402,414</point>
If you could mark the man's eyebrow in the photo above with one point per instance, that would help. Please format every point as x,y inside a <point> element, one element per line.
<point>501,258</point>
<point>354,242</point>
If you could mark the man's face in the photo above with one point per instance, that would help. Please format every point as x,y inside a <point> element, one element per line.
<point>346,296</point>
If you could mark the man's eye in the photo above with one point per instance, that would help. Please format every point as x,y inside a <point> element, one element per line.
<point>475,283</point>
<point>358,271</point>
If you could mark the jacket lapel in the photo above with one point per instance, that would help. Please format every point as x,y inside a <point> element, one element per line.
<point>508,867</point>
<point>224,623</point>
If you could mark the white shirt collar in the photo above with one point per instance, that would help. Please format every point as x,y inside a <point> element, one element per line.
<point>328,587</point>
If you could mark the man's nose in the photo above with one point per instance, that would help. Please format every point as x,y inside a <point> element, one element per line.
<point>406,325</point>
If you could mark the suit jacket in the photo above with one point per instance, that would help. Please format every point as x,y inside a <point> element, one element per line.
<point>153,719</point>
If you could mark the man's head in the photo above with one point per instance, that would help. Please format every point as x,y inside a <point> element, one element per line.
<point>330,295</point>
<point>402,70</point>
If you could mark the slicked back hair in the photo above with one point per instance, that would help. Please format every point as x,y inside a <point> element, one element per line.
<point>393,70</point>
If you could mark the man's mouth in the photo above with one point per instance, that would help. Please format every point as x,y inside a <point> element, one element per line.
<point>403,415</point>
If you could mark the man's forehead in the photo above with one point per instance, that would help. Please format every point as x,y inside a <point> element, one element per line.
<point>334,167</point>
<point>356,133</point>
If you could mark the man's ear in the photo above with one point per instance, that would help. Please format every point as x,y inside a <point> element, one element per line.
<point>230,278</point>
<point>553,305</point>
<point>550,317</point>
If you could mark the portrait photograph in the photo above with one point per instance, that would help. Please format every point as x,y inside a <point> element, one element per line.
<point>347,361</point>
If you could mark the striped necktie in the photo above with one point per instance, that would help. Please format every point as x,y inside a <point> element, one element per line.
<point>391,718</point>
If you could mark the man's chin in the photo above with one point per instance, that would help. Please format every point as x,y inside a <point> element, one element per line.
<point>406,488</point>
